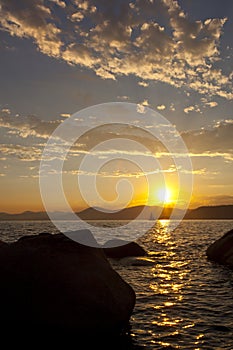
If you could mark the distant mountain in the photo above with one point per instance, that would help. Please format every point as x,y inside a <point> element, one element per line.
<point>26,215</point>
<point>124,214</point>
<point>88,214</point>
<point>32,216</point>
<point>217,212</point>
<point>149,213</point>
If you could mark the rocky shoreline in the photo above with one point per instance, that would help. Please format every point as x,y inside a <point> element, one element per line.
<point>221,251</point>
<point>49,282</point>
<point>59,290</point>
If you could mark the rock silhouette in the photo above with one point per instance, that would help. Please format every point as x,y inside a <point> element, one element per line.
<point>221,250</point>
<point>118,249</point>
<point>51,282</point>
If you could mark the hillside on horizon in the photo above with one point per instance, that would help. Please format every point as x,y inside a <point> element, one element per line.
<point>219,212</point>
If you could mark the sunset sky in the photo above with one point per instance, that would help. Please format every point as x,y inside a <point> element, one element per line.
<point>58,57</point>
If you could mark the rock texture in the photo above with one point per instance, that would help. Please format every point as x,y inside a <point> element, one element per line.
<point>51,282</point>
<point>221,250</point>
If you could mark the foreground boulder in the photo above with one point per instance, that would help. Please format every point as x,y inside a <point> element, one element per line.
<point>221,250</point>
<point>117,249</point>
<point>51,282</point>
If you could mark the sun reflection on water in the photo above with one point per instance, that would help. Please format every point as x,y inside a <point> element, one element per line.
<point>173,309</point>
<point>169,273</point>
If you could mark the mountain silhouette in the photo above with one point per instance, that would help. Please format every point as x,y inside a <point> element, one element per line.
<point>146,213</point>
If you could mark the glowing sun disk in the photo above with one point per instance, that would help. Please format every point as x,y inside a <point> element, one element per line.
<point>163,195</point>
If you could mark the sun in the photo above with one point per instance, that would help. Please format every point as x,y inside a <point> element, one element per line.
<point>164,195</point>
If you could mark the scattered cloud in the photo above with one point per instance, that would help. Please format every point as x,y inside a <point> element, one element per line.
<point>32,19</point>
<point>125,42</point>
<point>123,98</point>
<point>65,115</point>
<point>145,102</point>
<point>196,40</point>
<point>25,126</point>
<point>59,3</point>
<point>120,173</point>
<point>161,107</point>
<point>227,157</point>
<point>172,107</point>
<point>80,54</point>
<point>189,109</point>
<point>214,140</point>
<point>23,153</point>
<point>194,108</point>
<point>211,104</point>
<point>143,83</point>
<point>5,111</point>
<point>141,108</point>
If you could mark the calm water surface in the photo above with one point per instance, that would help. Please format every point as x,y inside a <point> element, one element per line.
<point>183,300</point>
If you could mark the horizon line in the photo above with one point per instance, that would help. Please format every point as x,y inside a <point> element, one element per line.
<point>150,206</point>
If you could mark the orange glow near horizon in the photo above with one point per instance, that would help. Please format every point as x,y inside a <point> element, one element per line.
<point>24,195</point>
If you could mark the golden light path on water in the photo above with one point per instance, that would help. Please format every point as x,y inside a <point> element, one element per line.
<point>167,289</point>
<point>168,274</point>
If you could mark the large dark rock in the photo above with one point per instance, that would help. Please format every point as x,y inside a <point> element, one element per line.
<point>221,250</point>
<point>51,282</point>
<point>119,249</point>
<point>2,244</point>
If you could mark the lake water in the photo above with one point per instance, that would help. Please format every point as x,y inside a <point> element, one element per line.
<point>183,300</point>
